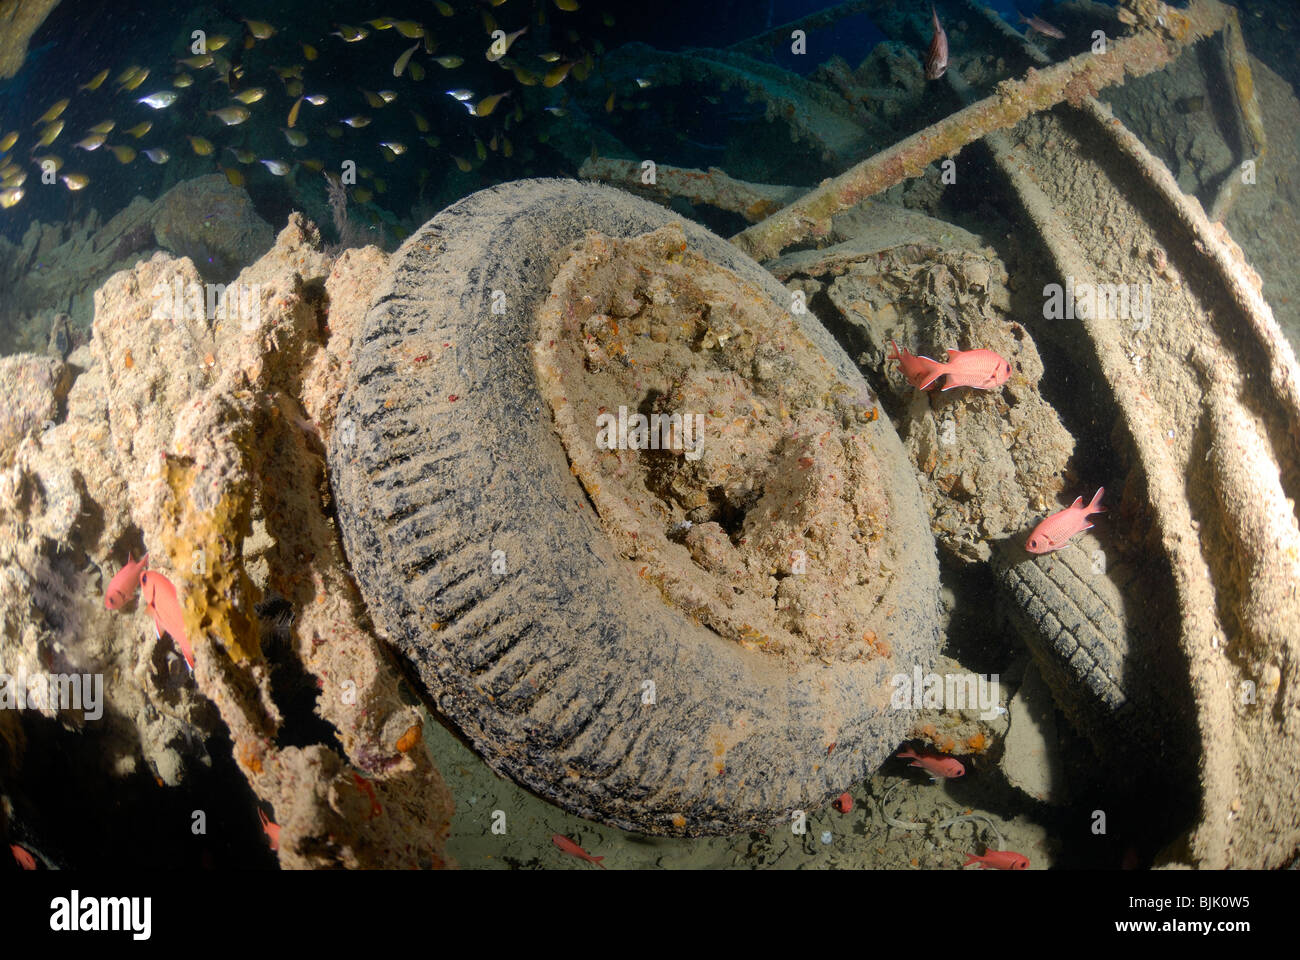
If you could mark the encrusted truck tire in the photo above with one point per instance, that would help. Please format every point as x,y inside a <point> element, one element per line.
<point>1095,632</point>
<point>484,563</point>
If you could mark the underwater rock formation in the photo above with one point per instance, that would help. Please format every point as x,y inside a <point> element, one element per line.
<point>184,435</point>
<point>19,19</point>
<point>58,267</point>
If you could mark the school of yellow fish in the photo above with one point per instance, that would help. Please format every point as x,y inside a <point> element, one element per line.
<point>416,59</point>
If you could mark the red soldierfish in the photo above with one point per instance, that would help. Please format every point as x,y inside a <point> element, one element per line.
<point>368,788</point>
<point>272,830</point>
<point>25,859</point>
<point>936,58</point>
<point>1037,25</point>
<point>981,369</point>
<point>1053,532</point>
<point>999,860</point>
<point>160,600</point>
<point>124,583</point>
<point>568,846</point>
<point>938,766</point>
<point>918,370</point>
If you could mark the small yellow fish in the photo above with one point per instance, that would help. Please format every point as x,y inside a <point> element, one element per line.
<point>550,56</point>
<point>399,65</point>
<point>568,6</point>
<point>15,179</point>
<point>409,29</point>
<point>277,167</point>
<point>388,96</point>
<point>526,77</point>
<point>362,195</point>
<point>200,146</point>
<point>243,156</point>
<point>139,130</point>
<point>233,175</point>
<point>444,8</point>
<point>231,116</point>
<point>8,140</point>
<point>421,123</point>
<point>52,114</point>
<point>382,23</point>
<point>260,29</point>
<point>350,34</point>
<point>217,42</point>
<point>463,164</point>
<point>388,154</point>
<point>416,72</point>
<point>373,99</point>
<point>158,155</point>
<point>95,81</point>
<point>11,197</point>
<point>50,134</point>
<point>160,100</point>
<point>485,106</point>
<point>128,73</point>
<point>492,144</point>
<point>75,181</point>
<point>479,149</point>
<point>309,51</point>
<point>93,142</point>
<point>356,123</point>
<point>296,138</point>
<point>317,99</point>
<point>251,95</point>
<point>199,62</point>
<point>182,80</point>
<point>501,46</point>
<point>293,111</point>
<point>555,76</point>
<point>294,88</point>
<point>315,166</point>
<point>449,62</point>
<point>393,145</point>
<point>124,154</point>
<point>285,73</point>
<point>507,147</point>
<point>432,141</point>
<point>55,162</point>
<point>609,104</point>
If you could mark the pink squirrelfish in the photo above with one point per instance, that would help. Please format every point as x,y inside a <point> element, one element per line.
<point>1037,25</point>
<point>981,369</point>
<point>918,370</point>
<point>1053,532</point>
<point>936,58</point>
<point>160,600</point>
<point>999,860</point>
<point>938,766</point>
<point>124,583</point>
